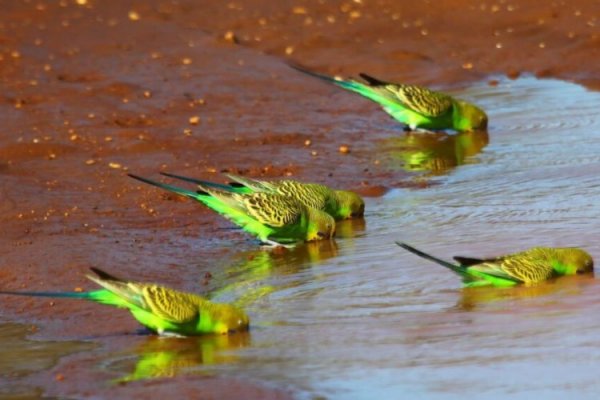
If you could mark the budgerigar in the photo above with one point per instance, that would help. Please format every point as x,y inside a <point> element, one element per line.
<point>412,105</point>
<point>160,309</point>
<point>529,267</point>
<point>273,218</point>
<point>340,204</point>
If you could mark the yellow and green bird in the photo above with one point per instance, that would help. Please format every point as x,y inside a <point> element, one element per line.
<point>412,105</point>
<point>275,219</point>
<point>158,308</point>
<point>528,267</point>
<point>340,204</point>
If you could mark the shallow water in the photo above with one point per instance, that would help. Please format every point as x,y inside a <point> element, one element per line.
<point>22,357</point>
<point>361,318</point>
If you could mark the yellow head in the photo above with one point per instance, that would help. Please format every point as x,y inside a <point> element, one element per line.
<point>468,117</point>
<point>227,318</point>
<point>320,225</point>
<point>574,261</point>
<point>350,205</point>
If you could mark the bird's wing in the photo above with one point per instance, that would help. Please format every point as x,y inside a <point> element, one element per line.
<point>310,194</point>
<point>421,100</point>
<point>528,267</point>
<point>169,304</point>
<point>255,185</point>
<point>519,267</point>
<point>272,209</point>
<point>417,98</point>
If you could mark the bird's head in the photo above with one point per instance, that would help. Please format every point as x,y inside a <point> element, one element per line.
<point>228,319</point>
<point>320,225</point>
<point>469,117</point>
<point>575,261</point>
<point>350,204</point>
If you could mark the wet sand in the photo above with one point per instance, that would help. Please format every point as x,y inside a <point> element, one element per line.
<point>94,90</point>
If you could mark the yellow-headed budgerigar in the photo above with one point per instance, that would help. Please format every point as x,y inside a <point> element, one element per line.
<point>529,267</point>
<point>273,218</point>
<point>340,204</point>
<point>160,309</point>
<point>413,105</point>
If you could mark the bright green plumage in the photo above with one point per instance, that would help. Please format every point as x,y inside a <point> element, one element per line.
<point>529,267</point>
<point>340,204</point>
<point>273,218</point>
<point>158,308</point>
<point>413,105</point>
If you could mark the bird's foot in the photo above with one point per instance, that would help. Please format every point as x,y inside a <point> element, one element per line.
<point>270,244</point>
<point>167,334</point>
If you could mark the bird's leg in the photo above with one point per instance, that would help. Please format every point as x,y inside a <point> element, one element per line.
<point>167,334</point>
<point>270,244</point>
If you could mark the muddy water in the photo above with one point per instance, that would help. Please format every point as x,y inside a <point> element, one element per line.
<point>360,318</point>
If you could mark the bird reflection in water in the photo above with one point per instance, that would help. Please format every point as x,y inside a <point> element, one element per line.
<point>484,297</point>
<point>435,152</point>
<point>169,357</point>
<point>258,273</point>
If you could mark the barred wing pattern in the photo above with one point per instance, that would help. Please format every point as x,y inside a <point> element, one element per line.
<point>171,305</point>
<point>272,209</point>
<point>421,100</point>
<point>310,194</point>
<point>527,267</point>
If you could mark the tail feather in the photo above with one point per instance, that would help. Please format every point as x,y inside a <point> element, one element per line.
<point>102,296</point>
<point>346,84</point>
<point>456,268</point>
<point>372,81</point>
<point>326,78</point>
<point>71,295</point>
<point>221,201</point>
<point>105,275</point>
<point>208,184</point>
<point>170,188</point>
<point>252,185</point>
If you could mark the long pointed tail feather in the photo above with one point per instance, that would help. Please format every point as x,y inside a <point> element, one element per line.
<point>369,90</point>
<point>346,84</point>
<point>371,80</point>
<point>102,296</point>
<point>456,268</point>
<point>105,275</point>
<point>221,201</point>
<point>170,188</point>
<point>209,184</point>
<point>71,295</point>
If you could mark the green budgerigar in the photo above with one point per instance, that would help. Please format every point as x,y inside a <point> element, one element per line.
<point>160,309</point>
<point>528,267</point>
<point>340,204</point>
<point>275,219</point>
<point>412,105</point>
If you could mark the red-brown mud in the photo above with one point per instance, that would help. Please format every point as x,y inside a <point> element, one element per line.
<point>93,89</point>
